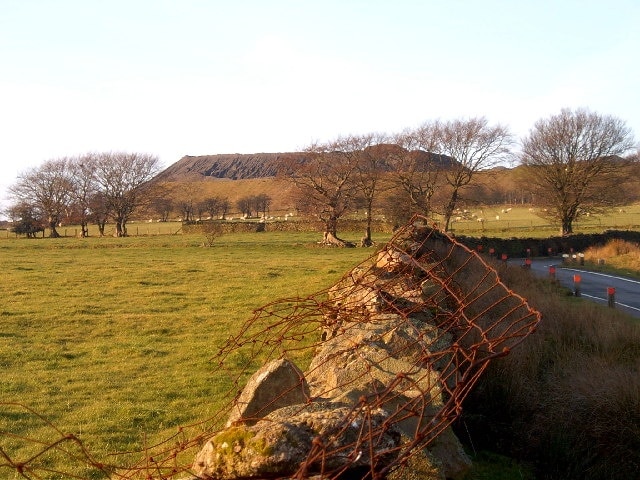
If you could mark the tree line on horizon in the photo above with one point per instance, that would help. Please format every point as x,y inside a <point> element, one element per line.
<point>574,163</point>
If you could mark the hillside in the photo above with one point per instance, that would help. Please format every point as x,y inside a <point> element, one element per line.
<point>234,176</point>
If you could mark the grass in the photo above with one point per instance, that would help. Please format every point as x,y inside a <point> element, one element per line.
<point>567,399</point>
<point>616,256</point>
<point>115,339</point>
<point>519,221</point>
<point>523,221</point>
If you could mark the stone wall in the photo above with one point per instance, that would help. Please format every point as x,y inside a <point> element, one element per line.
<point>400,340</point>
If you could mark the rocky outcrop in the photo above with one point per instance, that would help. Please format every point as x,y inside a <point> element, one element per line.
<point>231,166</point>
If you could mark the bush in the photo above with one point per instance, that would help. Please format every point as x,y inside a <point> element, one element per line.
<point>211,231</point>
<point>568,398</point>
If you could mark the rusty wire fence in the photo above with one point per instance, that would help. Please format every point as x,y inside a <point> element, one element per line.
<point>379,365</point>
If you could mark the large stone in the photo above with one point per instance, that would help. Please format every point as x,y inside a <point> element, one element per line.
<point>320,437</point>
<point>450,453</point>
<point>277,384</point>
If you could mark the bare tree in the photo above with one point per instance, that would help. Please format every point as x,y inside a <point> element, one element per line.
<point>123,179</point>
<point>163,206</point>
<point>262,204</point>
<point>371,166</point>
<point>99,209</point>
<point>83,187</point>
<point>415,171</point>
<point>47,189</point>
<point>223,207</point>
<point>573,163</point>
<point>246,205</point>
<point>217,206</point>
<point>473,145</point>
<point>186,200</point>
<point>324,181</point>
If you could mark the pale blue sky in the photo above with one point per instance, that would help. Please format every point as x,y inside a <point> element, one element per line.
<point>177,77</point>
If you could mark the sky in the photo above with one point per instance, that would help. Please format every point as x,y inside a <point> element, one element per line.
<point>200,77</point>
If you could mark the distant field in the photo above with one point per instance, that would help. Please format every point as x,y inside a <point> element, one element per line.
<point>497,221</point>
<point>507,221</point>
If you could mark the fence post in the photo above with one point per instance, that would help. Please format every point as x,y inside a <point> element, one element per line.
<point>611,297</point>
<point>576,285</point>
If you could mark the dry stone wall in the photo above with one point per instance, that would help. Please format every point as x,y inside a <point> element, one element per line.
<point>395,347</point>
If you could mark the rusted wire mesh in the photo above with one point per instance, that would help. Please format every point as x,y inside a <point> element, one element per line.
<point>381,363</point>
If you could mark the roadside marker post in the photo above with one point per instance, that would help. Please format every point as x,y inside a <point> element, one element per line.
<point>577,280</point>
<point>611,297</point>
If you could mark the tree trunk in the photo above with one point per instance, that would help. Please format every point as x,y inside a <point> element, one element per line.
<point>366,240</point>
<point>53,233</point>
<point>331,226</point>
<point>367,234</point>
<point>330,239</point>
<point>121,228</point>
<point>451,206</point>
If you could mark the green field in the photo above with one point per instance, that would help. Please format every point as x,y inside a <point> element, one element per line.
<point>115,339</point>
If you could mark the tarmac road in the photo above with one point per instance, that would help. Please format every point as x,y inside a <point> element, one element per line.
<point>593,285</point>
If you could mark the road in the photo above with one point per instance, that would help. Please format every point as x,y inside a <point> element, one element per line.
<point>593,285</point>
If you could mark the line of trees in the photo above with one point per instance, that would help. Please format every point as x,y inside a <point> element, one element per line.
<point>408,168</point>
<point>250,204</point>
<point>185,200</point>
<point>573,165</point>
<point>88,188</point>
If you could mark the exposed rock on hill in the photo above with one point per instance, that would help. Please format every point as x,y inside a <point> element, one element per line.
<point>233,166</point>
<point>239,166</point>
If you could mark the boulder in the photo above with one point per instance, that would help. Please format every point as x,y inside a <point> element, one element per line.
<point>319,438</point>
<point>277,384</point>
